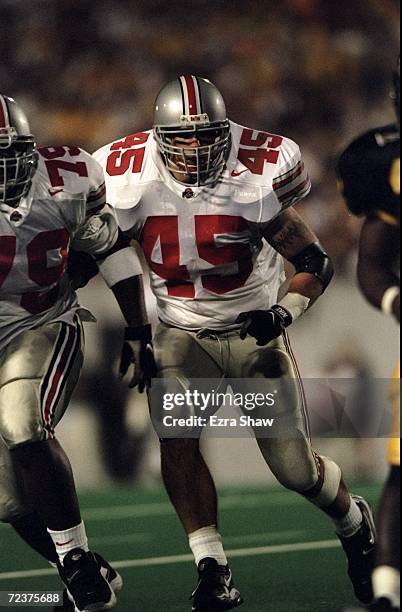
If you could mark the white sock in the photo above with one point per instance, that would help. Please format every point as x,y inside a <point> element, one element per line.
<point>351,523</point>
<point>69,539</point>
<point>207,542</point>
<point>387,583</point>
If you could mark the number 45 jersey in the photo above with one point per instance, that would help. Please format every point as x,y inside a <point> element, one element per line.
<point>204,245</point>
<point>60,210</point>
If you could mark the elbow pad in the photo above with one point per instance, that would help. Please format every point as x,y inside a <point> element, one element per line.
<point>120,262</point>
<point>314,260</point>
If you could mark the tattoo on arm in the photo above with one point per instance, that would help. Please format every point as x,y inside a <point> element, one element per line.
<point>289,235</point>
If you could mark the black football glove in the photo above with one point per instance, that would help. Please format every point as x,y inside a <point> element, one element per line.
<point>264,325</point>
<point>81,267</point>
<point>138,352</point>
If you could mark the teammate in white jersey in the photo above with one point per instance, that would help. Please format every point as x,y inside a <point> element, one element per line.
<point>51,200</point>
<point>210,203</point>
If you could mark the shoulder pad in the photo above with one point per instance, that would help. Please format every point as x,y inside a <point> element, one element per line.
<point>128,166</point>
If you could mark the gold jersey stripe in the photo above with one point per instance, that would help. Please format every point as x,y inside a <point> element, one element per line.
<point>387,217</point>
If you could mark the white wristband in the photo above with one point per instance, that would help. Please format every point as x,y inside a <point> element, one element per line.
<point>295,304</point>
<point>389,298</point>
<point>119,266</point>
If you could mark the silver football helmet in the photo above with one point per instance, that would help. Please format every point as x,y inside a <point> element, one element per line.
<point>18,154</point>
<point>192,130</point>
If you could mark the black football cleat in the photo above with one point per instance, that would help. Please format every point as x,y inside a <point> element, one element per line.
<point>85,577</point>
<point>360,551</point>
<point>215,590</point>
<point>383,605</point>
<point>107,571</point>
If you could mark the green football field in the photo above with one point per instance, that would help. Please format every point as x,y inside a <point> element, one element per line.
<point>282,551</point>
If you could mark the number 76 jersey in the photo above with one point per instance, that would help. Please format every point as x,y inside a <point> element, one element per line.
<point>204,246</point>
<point>60,211</point>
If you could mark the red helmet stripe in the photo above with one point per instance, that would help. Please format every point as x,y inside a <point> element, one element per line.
<point>192,98</point>
<point>4,120</point>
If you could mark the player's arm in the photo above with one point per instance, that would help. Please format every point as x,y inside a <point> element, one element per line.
<point>378,255</point>
<point>99,236</point>
<point>289,235</point>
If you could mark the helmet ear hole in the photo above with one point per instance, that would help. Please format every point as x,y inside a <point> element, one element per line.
<point>192,109</point>
<point>18,153</point>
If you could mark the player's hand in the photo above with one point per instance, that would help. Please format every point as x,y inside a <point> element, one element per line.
<point>264,325</point>
<point>138,353</point>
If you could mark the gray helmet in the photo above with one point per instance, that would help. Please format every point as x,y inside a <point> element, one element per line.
<point>191,107</point>
<point>18,155</point>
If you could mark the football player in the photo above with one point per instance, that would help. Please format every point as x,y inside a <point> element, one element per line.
<point>211,204</point>
<point>51,200</point>
<point>369,171</point>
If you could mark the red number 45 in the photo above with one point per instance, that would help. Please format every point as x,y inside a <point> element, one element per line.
<point>126,152</point>
<point>263,148</point>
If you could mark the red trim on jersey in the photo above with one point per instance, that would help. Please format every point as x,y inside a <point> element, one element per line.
<point>4,121</point>
<point>291,178</point>
<point>289,195</point>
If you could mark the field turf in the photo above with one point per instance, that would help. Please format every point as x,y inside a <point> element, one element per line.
<point>283,552</point>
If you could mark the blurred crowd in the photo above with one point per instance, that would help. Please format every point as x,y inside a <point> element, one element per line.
<point>315,70</point>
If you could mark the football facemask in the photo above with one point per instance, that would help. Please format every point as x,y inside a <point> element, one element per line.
<point>18,163</point>
<point>192,130</point>
<point>198,156</point>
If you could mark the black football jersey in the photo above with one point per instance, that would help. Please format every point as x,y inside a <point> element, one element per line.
<point>369,173</point>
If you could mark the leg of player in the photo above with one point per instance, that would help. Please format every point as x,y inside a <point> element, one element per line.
<point>192,491</point>
<point>32,530</point>
<point>298,468</point>
<point>39,370</point>
<point>34,533</point>
<point>187,478</point>
<point>320,481</point>
<point>386,576</point>
<point>354,523</point>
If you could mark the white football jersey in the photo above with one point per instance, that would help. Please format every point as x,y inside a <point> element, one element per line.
<point>67,191</point>
<point>205,246</point>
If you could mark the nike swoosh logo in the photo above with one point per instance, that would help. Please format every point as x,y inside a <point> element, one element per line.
<point>235,174</point>
<point>71,578</point>
<point>63,543</point>
<point>54,192</point>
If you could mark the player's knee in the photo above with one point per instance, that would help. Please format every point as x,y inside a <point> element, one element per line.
<point>291,461</point>
<point>20,419</point>
<point>300,479</point>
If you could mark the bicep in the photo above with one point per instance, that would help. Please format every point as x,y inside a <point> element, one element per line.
<point>288,234</point>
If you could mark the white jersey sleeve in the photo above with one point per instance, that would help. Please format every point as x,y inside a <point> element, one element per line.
<point>93,225</point>
<point>291,182</point>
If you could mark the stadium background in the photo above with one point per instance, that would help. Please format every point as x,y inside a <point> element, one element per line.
<point>87,72</point>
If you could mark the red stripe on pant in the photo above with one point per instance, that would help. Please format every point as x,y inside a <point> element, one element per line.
<point>57,377</point>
